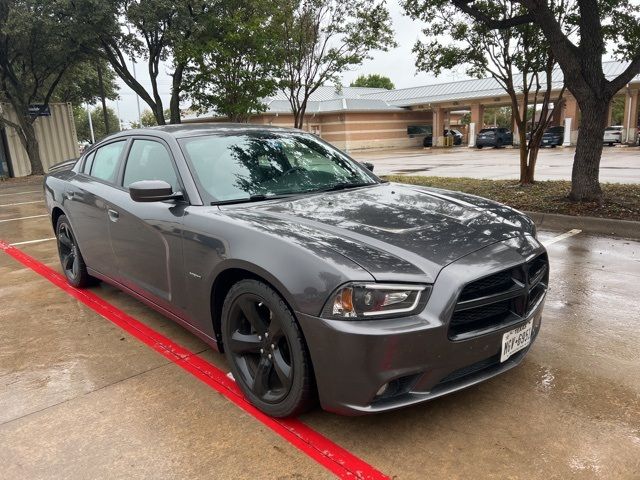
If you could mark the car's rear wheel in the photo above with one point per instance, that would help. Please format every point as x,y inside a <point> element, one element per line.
<point>71,259</point>
<point>266,350</point>
<point>479,147</point>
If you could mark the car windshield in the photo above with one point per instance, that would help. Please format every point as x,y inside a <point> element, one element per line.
<point>261,165</point>
<point>555,130</point>
<point>488,130</point>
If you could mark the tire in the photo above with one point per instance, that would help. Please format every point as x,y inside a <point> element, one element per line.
<point>499,143</point>
<point>479,147</point>
<point>73,266</point>
<point>266,350</point>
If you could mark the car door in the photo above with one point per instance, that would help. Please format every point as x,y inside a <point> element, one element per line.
<point>86,204</point>
<point>146,237</point>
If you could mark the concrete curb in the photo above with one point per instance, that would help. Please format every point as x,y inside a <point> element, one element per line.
<point>606,226</point>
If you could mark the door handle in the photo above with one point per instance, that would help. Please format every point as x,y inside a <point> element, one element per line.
<point>113,215</point>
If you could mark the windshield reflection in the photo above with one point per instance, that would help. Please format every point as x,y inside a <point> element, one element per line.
<point>260,165</point>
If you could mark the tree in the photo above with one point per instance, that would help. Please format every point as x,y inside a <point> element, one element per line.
<point>38,47</point>
<point>234,62</point>
<point>373,81</point>
<point>148,119</point>
<point>154,30</point>
<point>81,119</point>
<point>579,52</point>
<point>518,58</point>
<point>497,117</point>
<point>80,84</point>
<point>323,38</point>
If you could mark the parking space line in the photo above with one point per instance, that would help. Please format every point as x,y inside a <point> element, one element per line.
<point>23,218</point>
<point>28,242</point>
<point>19,193</point>
<point>559,238</point>
<point>330,455</point>
<point>19,203</point>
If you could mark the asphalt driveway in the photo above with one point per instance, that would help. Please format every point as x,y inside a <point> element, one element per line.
<point>82,398</point>
<point>618,164</point>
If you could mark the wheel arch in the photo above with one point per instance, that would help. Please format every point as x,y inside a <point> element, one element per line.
<point>231,273</point>
<point>56,213</point>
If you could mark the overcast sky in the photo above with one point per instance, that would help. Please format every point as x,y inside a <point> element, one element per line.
<point>397,64</point>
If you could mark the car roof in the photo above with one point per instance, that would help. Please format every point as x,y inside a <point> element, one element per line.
<point>197,129</point>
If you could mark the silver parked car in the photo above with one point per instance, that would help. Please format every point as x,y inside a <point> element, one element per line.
<point>612,134</point>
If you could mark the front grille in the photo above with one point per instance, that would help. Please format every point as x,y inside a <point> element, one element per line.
<point>499,299</point>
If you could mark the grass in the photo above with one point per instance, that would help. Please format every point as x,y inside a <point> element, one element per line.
<point>620,201</point>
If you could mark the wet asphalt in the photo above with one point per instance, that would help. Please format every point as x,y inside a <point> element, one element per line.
<point>80,398</point>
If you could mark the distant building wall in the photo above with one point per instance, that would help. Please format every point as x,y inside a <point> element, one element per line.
<point>56,134</point>
<point>356,130</point>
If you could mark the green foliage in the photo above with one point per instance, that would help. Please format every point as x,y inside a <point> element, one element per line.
<point>323,38</point>
<point>498,117</point>
<point>617,110</point>
<point>97,118</point>
<point>80,83</point>
<point>39,46</point>
<point>234,63</point>
<point>373,81</point>
<point>148,119</point>
<point>154,30</point>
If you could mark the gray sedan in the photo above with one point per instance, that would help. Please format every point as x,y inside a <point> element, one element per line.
<point>316,279</point>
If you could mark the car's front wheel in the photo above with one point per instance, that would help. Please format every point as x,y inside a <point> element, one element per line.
<point>71,259</point>
<point>266,350</point>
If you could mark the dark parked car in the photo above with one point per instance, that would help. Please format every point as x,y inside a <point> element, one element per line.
<point>457,137</point>
<point>552,137</point>
<point>312,275</point>
<point>494,137</point>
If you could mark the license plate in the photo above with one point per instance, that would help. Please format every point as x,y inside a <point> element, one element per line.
<point>515,340</point>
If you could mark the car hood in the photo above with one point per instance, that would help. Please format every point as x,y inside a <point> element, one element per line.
<point>396,231</point>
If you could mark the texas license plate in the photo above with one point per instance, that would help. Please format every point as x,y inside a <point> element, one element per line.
<point>515,340</point>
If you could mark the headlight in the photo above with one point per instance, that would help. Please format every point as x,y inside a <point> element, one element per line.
<point>359,301</point>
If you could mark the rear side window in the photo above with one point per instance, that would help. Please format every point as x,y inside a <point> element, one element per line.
<point>149,160</point>
<point>105,161</point>
<point>88,162</point>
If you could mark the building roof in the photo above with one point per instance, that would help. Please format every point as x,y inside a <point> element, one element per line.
<point>471,89</point>
<point>329,99</point>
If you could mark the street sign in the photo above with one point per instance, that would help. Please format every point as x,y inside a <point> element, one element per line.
<point>37,110</point>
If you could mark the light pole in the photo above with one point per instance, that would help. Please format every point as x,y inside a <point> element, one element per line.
<point>93,138</point>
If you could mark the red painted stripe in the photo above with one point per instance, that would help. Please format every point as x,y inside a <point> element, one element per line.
<point>327,453</point>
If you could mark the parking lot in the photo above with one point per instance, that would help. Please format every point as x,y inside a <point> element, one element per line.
<point>82,396</point>
<point>618,164</point>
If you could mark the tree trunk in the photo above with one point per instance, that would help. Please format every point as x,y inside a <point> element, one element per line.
<point>104,100</point>
<point>524,176</point>
<point>27,135</point>
<point>531,165</point>
<point>585,184</point>
<point>174,103</point>
<point>159,114</point>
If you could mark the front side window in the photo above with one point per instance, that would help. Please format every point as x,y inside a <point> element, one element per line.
<point>241,166</point>
<point>105,161</point>
<point>88,162</point>
<point>149,160</point>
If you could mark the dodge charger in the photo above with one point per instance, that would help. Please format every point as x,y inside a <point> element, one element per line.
<point>315,278</point>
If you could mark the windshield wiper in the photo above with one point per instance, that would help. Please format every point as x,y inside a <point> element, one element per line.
<point>253,198</point>
<point>345,185</point>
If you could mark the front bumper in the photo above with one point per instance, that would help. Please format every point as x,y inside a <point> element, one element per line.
<point>354,359</point>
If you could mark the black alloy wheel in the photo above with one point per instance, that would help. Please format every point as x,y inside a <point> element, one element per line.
<point>266,350</point>
<point>71,259</point>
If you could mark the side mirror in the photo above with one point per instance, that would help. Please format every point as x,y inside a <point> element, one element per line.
<point>152,191</point>
<point>368,165</point>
